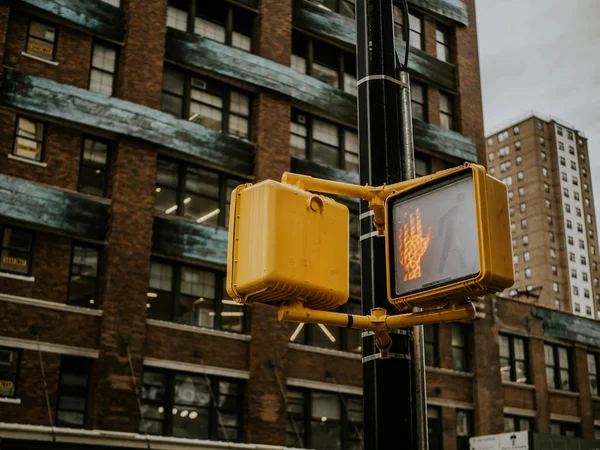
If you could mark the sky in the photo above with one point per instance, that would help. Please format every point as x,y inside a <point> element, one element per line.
<point>542,55</point>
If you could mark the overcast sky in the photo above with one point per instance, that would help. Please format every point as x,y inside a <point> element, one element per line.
<point>543,55</point>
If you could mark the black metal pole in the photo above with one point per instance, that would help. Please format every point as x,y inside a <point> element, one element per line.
<point>388,401</point>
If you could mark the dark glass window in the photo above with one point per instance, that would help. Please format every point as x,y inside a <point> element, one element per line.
<point>16,250</point>
<point>29,140</point>
<point>335,338</point>
<point>41,40</point>
<point>558,367</point>
<point>460,356</point>
<point>515,423</point>
<point>325,62</point>
<point>191,405</point>
<point>416,27</point>
<point>192,296</point>
<point>103,69</point>
<point>418,100</point>
<point>432,356</point>
<point>434,428</point>
<point>193,192</point>
<point>216,20</point>
<point>9,371</point>
<point>593,364</point>
<point>73,392</point>
<point>464,429</point>
<point>513,359</point>
<point>83,281</point>
<point>446,111</point>
<point>442,39</point>
<point>93,168</point>
<point>206,102</point>
<point>564,429</point>
<point>324,142</point>
<point>323,420</point>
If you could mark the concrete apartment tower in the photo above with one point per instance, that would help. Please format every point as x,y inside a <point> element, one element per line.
<point>545,164</point>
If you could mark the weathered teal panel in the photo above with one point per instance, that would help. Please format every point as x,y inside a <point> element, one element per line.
<point>64,212</point>
<point>195,51</point>
<point>430,137</point>
<point>68,103</point>
<point>98,17</point>
<point>342,30</point>
<point>568,327</point>
<point>317,170</point>
<point>182,239</point>
<point>450,9</point>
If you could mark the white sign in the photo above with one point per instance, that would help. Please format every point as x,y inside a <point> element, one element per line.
<point>517,440</point>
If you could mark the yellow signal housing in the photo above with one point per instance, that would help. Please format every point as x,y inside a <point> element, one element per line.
<point>447,236</point>
<point>286,243</point>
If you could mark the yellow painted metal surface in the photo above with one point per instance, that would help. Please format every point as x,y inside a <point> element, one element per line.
<point>481,232</point>
<point>287,243</point>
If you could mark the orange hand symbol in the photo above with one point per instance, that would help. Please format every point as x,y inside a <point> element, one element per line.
<point>412,245</point>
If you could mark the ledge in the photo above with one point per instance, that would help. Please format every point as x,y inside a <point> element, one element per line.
<point>27,161</point>
<point>96,17</point>
<point>325,351</point>
<point>49,305</point>
<point>196,368</point>
<point>49,347</point>
<point>323,386</point>
<point>514,384</point>
<point>14,276</point>
<point>65,103</point>
<point>565,418</point>
<point>198,330</point>
<point>511,410</point>
<point>16,401</point>
<point>450,372</point>
<point>449,403</point>
<point>37,58</point>
<point>562,392</point>
<point>56,210</point>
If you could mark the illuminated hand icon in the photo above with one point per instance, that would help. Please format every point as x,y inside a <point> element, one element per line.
<point>412,245</point>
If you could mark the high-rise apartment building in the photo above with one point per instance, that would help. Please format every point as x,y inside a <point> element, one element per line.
<point>124,125</point>
<point>544,162</point>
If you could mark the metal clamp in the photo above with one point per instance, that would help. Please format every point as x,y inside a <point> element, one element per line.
<point>382,77</point>
<point>375,356</point>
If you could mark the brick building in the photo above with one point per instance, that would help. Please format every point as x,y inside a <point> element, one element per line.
<point>124,127</point>
<point>545,164</point>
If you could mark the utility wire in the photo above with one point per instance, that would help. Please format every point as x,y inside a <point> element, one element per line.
<point>137,396</point>
<point>37,338</point>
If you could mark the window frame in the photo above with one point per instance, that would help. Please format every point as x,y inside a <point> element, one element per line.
<point>99,271</point>
<point>557,369</point>
<point>513,360</point>
<point>115,72</point>
<point>17,372</point>
<point>465,332</point>
<point>106,167</point>
<point>54,44</point>
<point>451,115</point>
<point>596,357</point>
<point>175,294</point>
<point>30,252</point>
<point>435,344</point>
<point>517,423</point>
<point>61,390</point>
<point>42,142</point>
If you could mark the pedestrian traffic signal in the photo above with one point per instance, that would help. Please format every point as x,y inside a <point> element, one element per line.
<point>286,243</point>
<point>447,235</point>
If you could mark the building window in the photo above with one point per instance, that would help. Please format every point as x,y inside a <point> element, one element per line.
<point>192,296</point>
<point>434,427</point>
<point>324,420</point>
<point>321,141</point>
<point>542,141</point>
<point>432,356</point>
<point>564,429</point>
<point>191,405</point>
<point>583,260</point>
<point>515,259</point>
<point>73,390</point>
<point>460,357</point>
<point>16,250</point>
<point>93,167</point>
<point>41,40</point>
<point>9,371</point>
<point>561,146</point>
<point>577,308</point>
<point>442,39</point>
<point>528,273</point>
<point>567,208</point>
<point>555,286</point>
<point>526,257</point>
<point>325,62</point>
<point>570,240</point>
<point>563,161</point>
<point>551,236</point>
<point>520,176</point>
<point>83,279</point>
<point>570,135</point>
<point>193,192</point>
<point>516,131</point>
<point>525,240</point>
<point>446,112</point>
<point>102,72</point>
<point>221,22</point>
<point>569,224</point>
<point>503,137</point>
<point>29,141</point>
<point>513,359</point>
<point>544,172</point>
<point>593,365</point>
<point>207,102</point>
<point>416,27</point>
<point>580,228</point>
<point>518,145</point>
<point>515,423</point>
<point>573,273</point>
<point>418,102</point>
<point>464,429</point>
<point>558,367</point>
